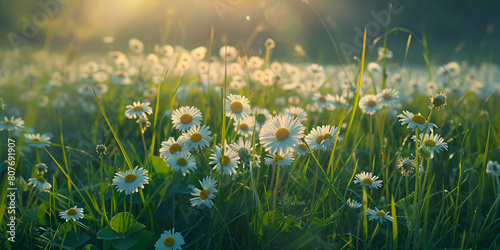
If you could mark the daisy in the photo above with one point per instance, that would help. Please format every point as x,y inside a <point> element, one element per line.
<point>72,214</point>
<point>182,161</point>
<point>41,168</point>
<point>261,116</point>
<point>245,127</point>
<point>339,102</point>
<point>40,183</point>
<point>269,43</point>
<point>204,196</point>
<point>131,180</point>
<point>438,101</point>
<point>185,118</point>
<point>121,77</point>
<point>282,160</point>
<point>228,53</point>
<point>280,133</point>
<point>101,149</point>
<point>405,165</point>
<point>353,203</point>
<point>138,109</point>
<point>415,120</point>
<point>296,112</point>
<point>135,45</point>
<point>384,53</point>
<point>321,137</point>
<point>369,104</point>
<point>368,179</point>
<point>170,241</point>
<point>432,142</point>
<point>379,215</point>
<point>301,148</point>
<point>388,97</point>
<point>197,136</point>
<point>37,140</point>
<point>373,67</point>
<point>228,162</point>
<point>199,53</point>
<point>237,107</point>
<point>170,147</point>
<point>323,101</point>
<point>245,151</point>
<point>11,124</point>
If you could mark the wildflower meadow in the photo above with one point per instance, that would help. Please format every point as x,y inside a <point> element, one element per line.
<point>150,144</point>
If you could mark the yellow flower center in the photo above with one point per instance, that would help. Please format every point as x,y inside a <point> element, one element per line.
<point>181,161</point>
<point>387,96</point>
<point>186,118</point>
<point>236,107</point>
<point>8,123</point>
<point>295,115</point>
<point>138,108</point>
<point>174,148</point>
<point>339,103</point>
<point>40,179</point>
<point>72,211</point>
<point>282,134</point>
<point>196,137</point>
<point>368,181</point>
<point>380,214</point>
<point>121,74</point>
<point>261,118</point>
<point>328,136</point>
<point>322,98</point>
<point>430,143</point>
<point>130,178</point>
<point>36,140</point>
<point>244,126</point>
<point>226,160</point>
<point>371,103</point>
<point>320,138</point>
<point>302,147</point>
<point>204,194</point>
<point>278,158</point>
<point>418,119</point>
<point>169,241</point>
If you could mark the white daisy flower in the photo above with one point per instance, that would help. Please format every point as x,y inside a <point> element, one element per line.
<point>388,97</point>
<point>415,120</point>
<point>379,215</point>
<point>323,101</point>
<point>131,180</point>
<point>204,196</point>
<point>301,148</point>
<point>406,166</point>
<point>281,133</point>
<point>185,118</point>
<point>432,142</point>
<point>339,102</point>
<point>171,146</point>
<point>40,183</point>
<point>245,151</point>
<point>121,77</point>
<point>353,203</point>
<point>373,67</point>
<point>11,124</point>
<point>282,160</point>
<point>296,112</point>
<point>261,116</point>
<point>72,214</point>
<point>368,179</point>
<point>228,162</point>
<point>237,107</point>
<point>197,136</point>
<point>136,45</point>
<point>245,126</point>
<point>182,161</point>
<point>384,53</point>
<point>138,109</point>
<point>170,241</point>
<point>322,137</point>
<point>199,53</point>
<point>228,52</point>
<point>369,104</point>
<point>37,140</point>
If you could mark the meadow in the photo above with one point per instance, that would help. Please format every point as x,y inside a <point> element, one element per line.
<point>211,147</point>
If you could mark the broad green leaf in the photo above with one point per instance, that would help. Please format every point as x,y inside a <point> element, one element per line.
<point>108,234</point>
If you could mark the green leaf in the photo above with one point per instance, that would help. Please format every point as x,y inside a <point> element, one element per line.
<point>159,165</point>
<point>90,247</point>
<point>124,244</point>
<point>108,234</point>
<point>145,239</point>
<point>122,223</point>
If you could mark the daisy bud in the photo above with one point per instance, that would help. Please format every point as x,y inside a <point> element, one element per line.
<point>438,101</point>
<point>101,149</point>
